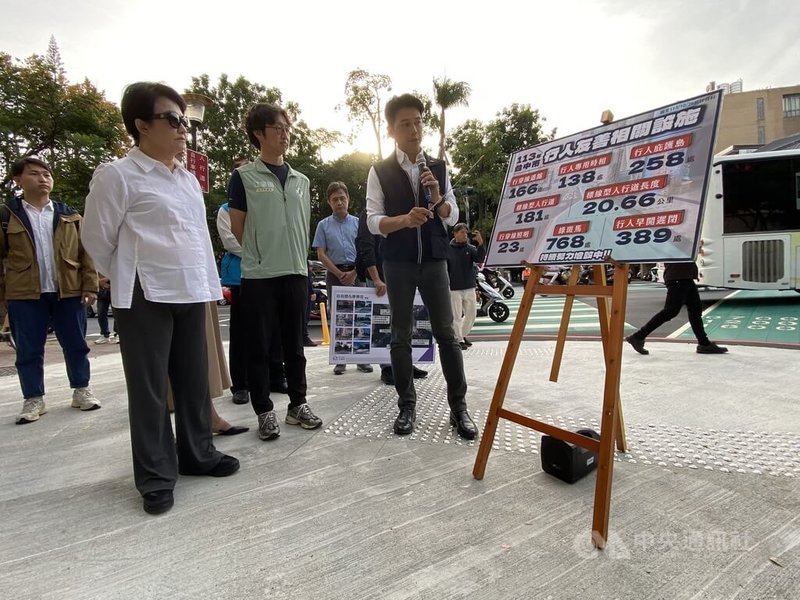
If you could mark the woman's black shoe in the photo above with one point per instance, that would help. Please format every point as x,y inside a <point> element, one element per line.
<point>158,502</point>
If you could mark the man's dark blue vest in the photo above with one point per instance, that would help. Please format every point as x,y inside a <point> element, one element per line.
<point>421,244</point>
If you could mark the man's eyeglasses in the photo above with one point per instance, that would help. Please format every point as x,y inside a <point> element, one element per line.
<point>174,119</point>
<point>279,129</point>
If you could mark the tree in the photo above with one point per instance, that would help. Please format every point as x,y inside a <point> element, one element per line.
<point>72,126</point>
<point>363,100</point>
<point>485,148</point>
<point>447,94</point>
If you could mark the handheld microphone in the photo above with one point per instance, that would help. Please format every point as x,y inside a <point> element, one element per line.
<point>422,164</point>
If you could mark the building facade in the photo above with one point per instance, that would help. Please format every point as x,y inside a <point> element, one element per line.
<point>757,116</point>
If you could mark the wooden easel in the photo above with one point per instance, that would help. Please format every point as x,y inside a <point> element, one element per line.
<point>612,324</point>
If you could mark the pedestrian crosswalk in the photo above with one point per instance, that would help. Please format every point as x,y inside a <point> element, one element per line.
<point>544,318</point>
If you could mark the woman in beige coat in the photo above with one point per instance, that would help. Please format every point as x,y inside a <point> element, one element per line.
<point>218,378</point>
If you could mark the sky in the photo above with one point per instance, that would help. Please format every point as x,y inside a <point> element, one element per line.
<point>569,59</point>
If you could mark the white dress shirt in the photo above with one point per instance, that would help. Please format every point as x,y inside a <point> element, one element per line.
<point>376,211</point>
<point>229,241</point>
<point>42,229</point>
<point>143,219</point>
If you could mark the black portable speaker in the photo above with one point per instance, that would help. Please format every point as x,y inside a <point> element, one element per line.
<point>567,461</point>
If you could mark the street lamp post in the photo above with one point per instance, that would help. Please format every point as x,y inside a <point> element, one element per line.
<point>196,105</point>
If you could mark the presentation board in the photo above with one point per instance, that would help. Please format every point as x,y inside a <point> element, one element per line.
<point>632,191</point>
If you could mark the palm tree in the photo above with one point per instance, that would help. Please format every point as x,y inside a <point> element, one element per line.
<point>448,93</point>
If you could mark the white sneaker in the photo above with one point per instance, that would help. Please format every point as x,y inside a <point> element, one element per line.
<point>115,339</point>
<point>102,340</point>
<point>84,399</point>
<point>32,409</point>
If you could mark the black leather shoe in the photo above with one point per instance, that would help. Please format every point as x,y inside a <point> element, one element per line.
<point>309,343</point>
<point>463,346</point>
<point>711,348</point>
<point>404,423</point>
<point>241,397</point>
<point>279,387</point>
<point>228,465</point>
<point>419,373</point>
<point>637,343</point>
<point>387,376</point>
<point>158,502</point>
<point>464,425</point>
<point>467,342</point>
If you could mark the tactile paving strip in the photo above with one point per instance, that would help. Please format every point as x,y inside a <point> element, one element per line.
<point>753,452</point>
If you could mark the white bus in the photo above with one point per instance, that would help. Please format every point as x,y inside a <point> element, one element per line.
<point>750,237</point>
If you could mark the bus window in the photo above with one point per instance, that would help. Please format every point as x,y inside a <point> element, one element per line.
<point>761,195</point>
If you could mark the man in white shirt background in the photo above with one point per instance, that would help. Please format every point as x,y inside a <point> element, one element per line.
<point>46,276</point>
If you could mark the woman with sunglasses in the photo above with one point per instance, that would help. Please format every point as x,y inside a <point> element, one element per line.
<point>145,226</point>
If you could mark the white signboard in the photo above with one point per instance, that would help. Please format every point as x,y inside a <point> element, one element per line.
<point>361,328</point>
<point>632,191</point>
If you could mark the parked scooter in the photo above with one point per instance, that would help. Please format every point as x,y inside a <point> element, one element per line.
<point>555,276</point>
<point>319,289</point>
<point>490,301</point>
<point>498,282</point>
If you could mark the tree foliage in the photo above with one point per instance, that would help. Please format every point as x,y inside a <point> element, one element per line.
<point>363,100</point>
<point>71,126</point>
<point>484,150</point>
<point>353,170</point>
<point>447,94</point>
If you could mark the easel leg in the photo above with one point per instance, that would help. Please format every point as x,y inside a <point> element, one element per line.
<point>610,418</point>
<point>564,327</point>
<point>602,311</point>
<point>514,341</point>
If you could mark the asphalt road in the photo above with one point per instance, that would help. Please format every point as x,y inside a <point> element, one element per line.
<point>768,318</point>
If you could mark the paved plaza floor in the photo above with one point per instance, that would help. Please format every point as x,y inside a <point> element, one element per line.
<point>705,503</point>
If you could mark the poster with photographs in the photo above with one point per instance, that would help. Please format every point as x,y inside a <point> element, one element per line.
<point>361,328</point>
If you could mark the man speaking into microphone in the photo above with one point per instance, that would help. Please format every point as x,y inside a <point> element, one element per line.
<point>410,202</point>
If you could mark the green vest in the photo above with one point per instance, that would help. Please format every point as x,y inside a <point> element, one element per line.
<point>275,240</point>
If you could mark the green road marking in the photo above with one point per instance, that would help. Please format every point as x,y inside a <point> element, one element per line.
<point>544,318</point>
<point>761,316</point>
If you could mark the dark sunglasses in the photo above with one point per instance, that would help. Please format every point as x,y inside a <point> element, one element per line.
<point>174,119</point>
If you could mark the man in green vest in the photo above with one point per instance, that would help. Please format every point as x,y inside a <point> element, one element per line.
<point>270,210</point>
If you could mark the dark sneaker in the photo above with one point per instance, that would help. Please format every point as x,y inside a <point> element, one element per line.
<point>268,428</point>
<point>160,501</point>
<point>638,344</point>
<point>308,342</point>
<point>365,368</point>
<point>463,345</point>
<point>467,342</point>
<point>420,373</point>
<point>279,386</point>
<point>387,376</point>
<point>339,369</point>
<point>302,415</point>
<point>241,397</point>
<point>711,348</point>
